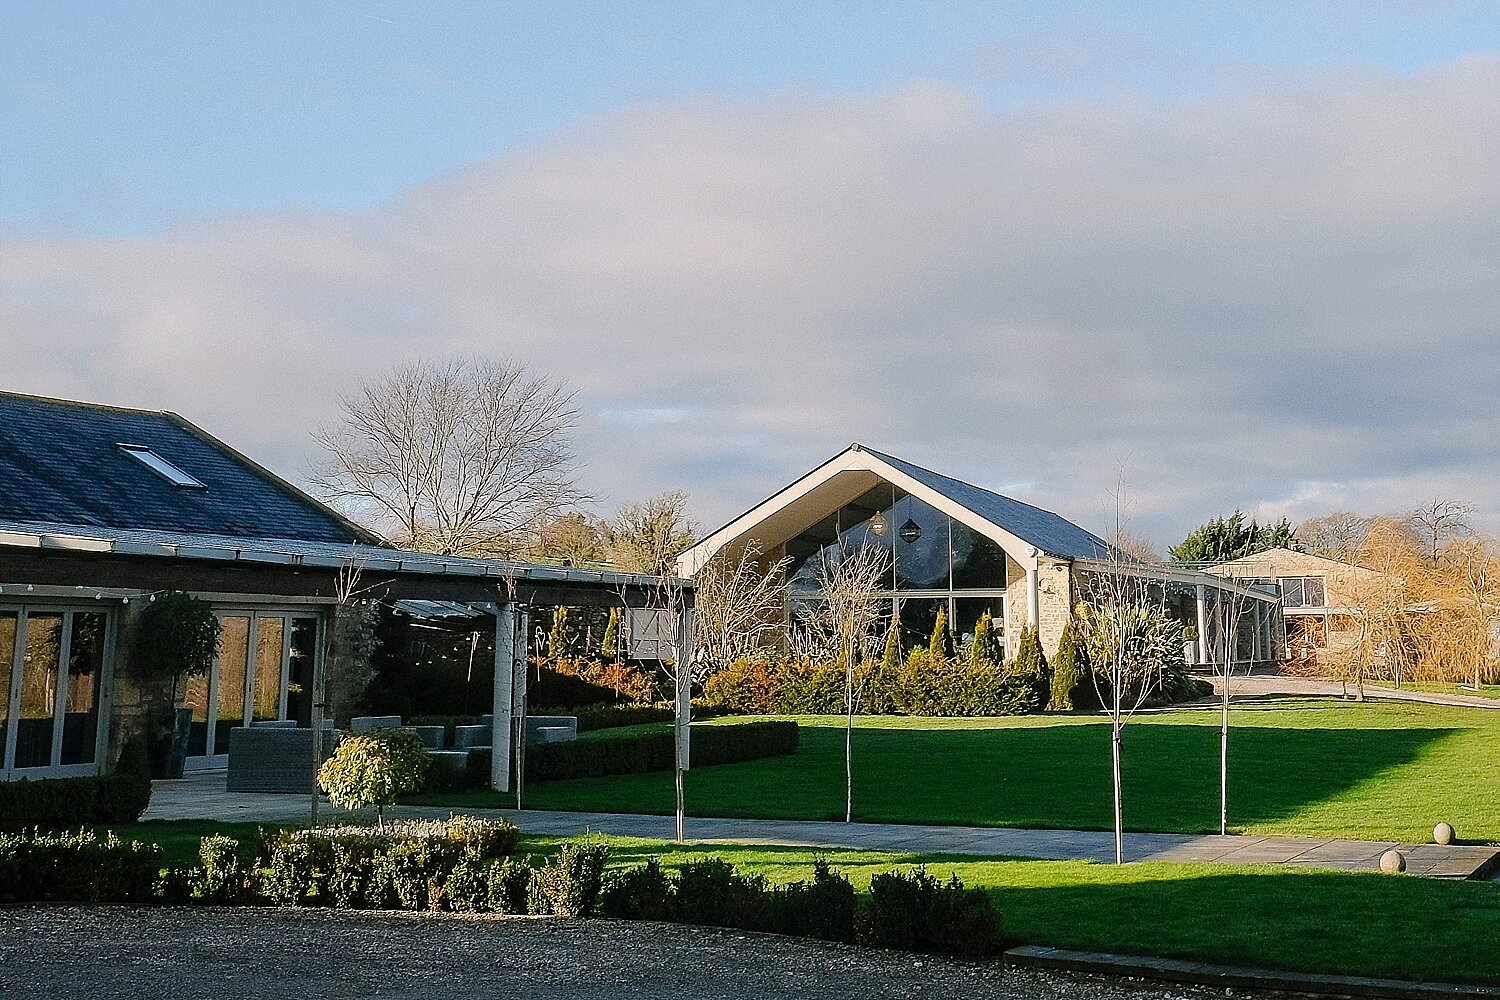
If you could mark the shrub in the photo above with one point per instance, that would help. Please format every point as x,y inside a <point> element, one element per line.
<point>1071,672</point>
<point>640,753</point>
<point>568,883</point>
<point>710,892</point>
<point>917,912</point>
<point>509,887</point>
<point>467,888</point>
<point>291,876</point>
<point>351,877</point>
<point>372,769</point>
<point>81,867</point>
<point>823,908</point>
<point>592,718</point>
<point>60,803</point>
<point>640,893</point>
<point>1030,662</point>
<point>405,875</point>
<point>221,878</point>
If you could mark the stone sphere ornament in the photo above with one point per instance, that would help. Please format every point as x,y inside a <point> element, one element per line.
<point>1393,862</point>
<point>1443,834</point>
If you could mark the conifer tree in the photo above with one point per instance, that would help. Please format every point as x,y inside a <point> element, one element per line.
<point>1029,656</point>
<point>1070,670</point>
<point>985,650</point>
<point>938,646</point>
<point>609,648</point>
<point>891,661</point>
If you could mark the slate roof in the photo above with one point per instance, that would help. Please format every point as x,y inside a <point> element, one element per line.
<point>61,463</point>
<point>1054,534</point>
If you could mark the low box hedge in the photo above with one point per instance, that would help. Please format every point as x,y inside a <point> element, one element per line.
<point>62,803</point>
<point>638,753</point>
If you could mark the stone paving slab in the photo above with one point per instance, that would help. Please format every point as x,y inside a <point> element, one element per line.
<point>203,796</point>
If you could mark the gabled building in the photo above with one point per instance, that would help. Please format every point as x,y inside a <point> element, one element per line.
<point>1318,596</point>
<point>949,545</point>
<point>102,508</point>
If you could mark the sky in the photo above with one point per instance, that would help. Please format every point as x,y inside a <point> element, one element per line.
<point>1199,255</point>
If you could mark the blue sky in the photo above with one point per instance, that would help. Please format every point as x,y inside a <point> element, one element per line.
<point>125,118</point>
<point>1241,255</point>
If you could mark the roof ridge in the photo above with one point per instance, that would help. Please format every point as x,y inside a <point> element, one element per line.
<point>964,482</point>
<point>64,401</point>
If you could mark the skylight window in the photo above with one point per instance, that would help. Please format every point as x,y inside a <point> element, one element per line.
<point>161,466</point>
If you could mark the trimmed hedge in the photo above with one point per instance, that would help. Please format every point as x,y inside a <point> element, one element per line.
<point>80,867</point>
<point>639,753</point>
<point>62,803</point>
<point>915,687</point>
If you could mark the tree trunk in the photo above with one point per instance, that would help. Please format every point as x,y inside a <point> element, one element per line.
<point>1224,764</point>
<point>849,737</point>
<point>1119,812</point>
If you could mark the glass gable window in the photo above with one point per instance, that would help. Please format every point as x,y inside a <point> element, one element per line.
<point>933,562</point>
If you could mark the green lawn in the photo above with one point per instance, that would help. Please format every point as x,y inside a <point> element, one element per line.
<point>1379,770</point>
<point>1484,691</point>
<point>1354,924</point>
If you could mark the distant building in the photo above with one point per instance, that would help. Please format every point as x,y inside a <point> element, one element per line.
<point>952,546</point>
<point>1318,595</point>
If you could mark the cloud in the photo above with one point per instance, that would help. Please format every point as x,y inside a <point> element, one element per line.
<point>1284,297</point>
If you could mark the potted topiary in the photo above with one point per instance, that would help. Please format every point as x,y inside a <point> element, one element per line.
<point>177,636</point>
<point>372,769</point>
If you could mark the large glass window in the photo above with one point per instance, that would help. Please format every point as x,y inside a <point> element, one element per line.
<point>8,622</point>
<point>80,735</point>
<point>303,653</point>
<point>36,715</point>
<point>935,563</point>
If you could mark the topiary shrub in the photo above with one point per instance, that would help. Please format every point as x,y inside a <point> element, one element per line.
<point>640,893</point>
<point>509,887</point>
<point>916,912</point>
<point>823,908</point>
<point>221,877</point>
<point>568,883</point>
<point>710,892</point>
<point>372,769</point>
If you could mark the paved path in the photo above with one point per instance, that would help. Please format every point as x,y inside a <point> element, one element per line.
<point>203,797</point>
<point>1262,685</point>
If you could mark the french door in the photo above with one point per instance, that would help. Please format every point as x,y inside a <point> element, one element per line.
<point>52,662</point>
<point>263,673</point>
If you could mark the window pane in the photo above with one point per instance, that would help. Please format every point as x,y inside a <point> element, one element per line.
<point>921,543</point>
<point>233,663</point>
<point>85,662</point>
<point>967,611</point>
<point>918,617</point>
<point>7,662</point>
<point>304,654</point>
<point>34,721</point>
<point>195,699</point>
<point>977,561</point>
<point>268,636</point>
<point>1312,592</point>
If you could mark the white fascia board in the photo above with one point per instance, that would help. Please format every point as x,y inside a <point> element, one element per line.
<point>128,547</point>
<point>854,460</point>
<point>21,539</point>
<point>77,543</point>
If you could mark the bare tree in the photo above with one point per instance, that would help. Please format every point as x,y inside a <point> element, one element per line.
<point>452,456</point>
<point>1441,520</point>
<point>1228,609</point>
<point>574,538</point>
<point>1131,643</point>
<point>646,537</point>
<point>1136,546</point>
<point>740,605</point>
<point>1461,600</point>
<point>840,627</point>
<point>1334,536</point>
<point>1379,604</point>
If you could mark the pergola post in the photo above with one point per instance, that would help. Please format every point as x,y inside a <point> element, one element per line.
<point>1202,623</point>
<point>1259,635</point>
<point>520,671</point>
<point>500,723</point>
<point>1033,594</point>
<point>684,683</point>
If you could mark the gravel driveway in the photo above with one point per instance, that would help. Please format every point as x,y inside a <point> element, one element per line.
<point>227,954</point>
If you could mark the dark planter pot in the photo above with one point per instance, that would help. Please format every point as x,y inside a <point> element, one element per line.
<point>169,753</point>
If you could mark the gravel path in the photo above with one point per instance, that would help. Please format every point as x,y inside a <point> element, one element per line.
<point>247,954</point>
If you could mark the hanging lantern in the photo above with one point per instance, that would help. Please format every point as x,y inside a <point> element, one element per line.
<point>877,524</point>
<point>910,531</point>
